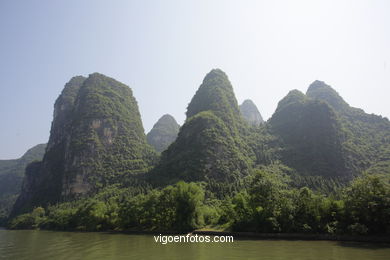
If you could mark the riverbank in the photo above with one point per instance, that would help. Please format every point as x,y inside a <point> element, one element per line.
<point>247,235</point>
<point>295,236</point>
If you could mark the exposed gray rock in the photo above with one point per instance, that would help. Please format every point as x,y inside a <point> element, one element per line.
<point>250,113</point>
<point>163,133</point>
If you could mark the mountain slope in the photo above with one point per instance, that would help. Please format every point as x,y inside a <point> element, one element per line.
<point>311,136</point>
<point>163,133</point>
<point>12,171</point>
<point>321,135</point>
<point>209,145</point>
<point>11,177</point>
<point>367,136</point>
<point>250,113</point>
<point>96,139</point>
<point>216,94</point>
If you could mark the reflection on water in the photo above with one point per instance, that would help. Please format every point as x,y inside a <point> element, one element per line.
<point>27,244</point>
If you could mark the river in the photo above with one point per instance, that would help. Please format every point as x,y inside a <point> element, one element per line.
<point>33,244</point>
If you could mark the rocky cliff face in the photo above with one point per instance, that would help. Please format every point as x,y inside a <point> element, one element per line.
<point>209,146</point>
<point>250,113</point>
<point>96,139</point>
<point>163,133</point>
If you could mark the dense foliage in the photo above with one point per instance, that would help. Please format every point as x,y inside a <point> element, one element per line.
<point>319,134</point>
<point>216,94</point>
<point>366,138</point>
<point>108,131</point>
<point>179,208</point>
<point>204,150</point>
<point>317,166</point>
<point>268,204</point>
<point>210,145</point>
<point>311,136</point>
<point>97,139</point>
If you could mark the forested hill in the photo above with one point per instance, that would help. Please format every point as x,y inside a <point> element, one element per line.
<point>96,139</point>
<point>322,135</point>
<point>311,136</point>
<point>366,136</point>
<point>17,166</point>
<point>209,146</point>
<point>317,165</point>
<point>11,177</point>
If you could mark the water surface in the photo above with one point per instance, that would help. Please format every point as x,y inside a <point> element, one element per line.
<point>31,245</point>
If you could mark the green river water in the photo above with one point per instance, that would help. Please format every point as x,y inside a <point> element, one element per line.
<point>31,245</point>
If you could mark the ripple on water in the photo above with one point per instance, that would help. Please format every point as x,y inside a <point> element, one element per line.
<point>34,245</point>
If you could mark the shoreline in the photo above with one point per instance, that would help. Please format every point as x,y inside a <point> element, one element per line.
<point>243,235</point>
<point>296,236</point>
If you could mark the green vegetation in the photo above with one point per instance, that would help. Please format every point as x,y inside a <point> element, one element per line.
<point>319,134</point>
<point>97,139</point>
<point>107,125</point>
<point>268,204</point>
<point>11,177</point>
<point>216,95</point>
<point>210,145</point>
<point>366,138</point>
<point>317,166</point>
<point>174,208</point>
<point>311,136</point>
<point>319,90</point>
<point>12,171</point>
<point>204,150</point>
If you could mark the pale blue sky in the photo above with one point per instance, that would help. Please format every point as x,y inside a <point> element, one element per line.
<point>163,49</point>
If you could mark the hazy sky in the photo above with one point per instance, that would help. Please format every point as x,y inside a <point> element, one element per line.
<point>163,49</point>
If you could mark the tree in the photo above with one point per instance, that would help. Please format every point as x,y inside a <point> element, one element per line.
<point>367,205</point>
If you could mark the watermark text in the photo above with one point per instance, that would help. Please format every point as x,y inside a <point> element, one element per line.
<point>189,238</point>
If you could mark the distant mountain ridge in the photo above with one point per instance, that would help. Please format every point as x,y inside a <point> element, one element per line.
<point>11,177</point>
<point>250,113</point>
<point>311,136</point>
<point>163,133</point>
<point>12,171</point>
<point>322,135</point>
<point>367,136</point>
<point>97,140</point>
